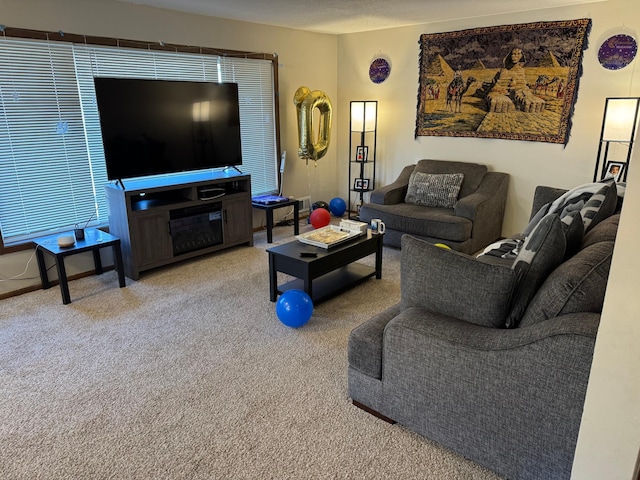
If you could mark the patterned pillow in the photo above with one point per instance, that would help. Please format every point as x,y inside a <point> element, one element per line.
<point>434,190</point>
<point>536,219</point>
<point>601,205</point>
<point>542,251</point>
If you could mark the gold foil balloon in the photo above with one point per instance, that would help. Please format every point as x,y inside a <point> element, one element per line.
<point>306,101</point>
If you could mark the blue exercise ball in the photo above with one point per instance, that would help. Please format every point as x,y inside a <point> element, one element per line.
<point>337,206</point>
<point>294,308</point>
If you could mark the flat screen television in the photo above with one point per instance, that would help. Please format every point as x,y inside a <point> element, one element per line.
<point>152,127</point>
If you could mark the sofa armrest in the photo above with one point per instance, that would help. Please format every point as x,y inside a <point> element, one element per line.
<point>508,399</point>
<point>394,192</point>
<point>491,194</point>
<point>485,208</point>
<point>544,195</point>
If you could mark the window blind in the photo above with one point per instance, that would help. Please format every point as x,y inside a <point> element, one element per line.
<point>52,167</point>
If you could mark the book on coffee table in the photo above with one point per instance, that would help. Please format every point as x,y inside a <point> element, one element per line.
<point>328,236</point>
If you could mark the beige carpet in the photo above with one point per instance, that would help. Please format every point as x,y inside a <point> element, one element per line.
<point>188,373</point>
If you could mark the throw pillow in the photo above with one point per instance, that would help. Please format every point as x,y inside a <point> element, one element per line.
<point>454,284</point>
<point>536,219</point>
<point>434,190</point>
<point>578,285</point>
<point>541,252</point>
<point>573,232</point>
<point>601,205</point>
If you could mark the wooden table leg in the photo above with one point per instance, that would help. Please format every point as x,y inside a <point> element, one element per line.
<point>117,259</point>
<point>296,218</point>
<point>273,278</point>
<point>269,225</point>
<point>42,268</point>
<point>62,278</point>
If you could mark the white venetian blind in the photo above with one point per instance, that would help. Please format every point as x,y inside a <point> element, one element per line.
<point>52,168</point>
<point>45,175</point>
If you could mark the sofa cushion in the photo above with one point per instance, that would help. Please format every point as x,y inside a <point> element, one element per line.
<point>434,190</point>
<point>605,231</point>
<point>541,252</point>
<point>473,172</point>
<point>454,284</point>
<point>601,205</point>
<point>577,285</point>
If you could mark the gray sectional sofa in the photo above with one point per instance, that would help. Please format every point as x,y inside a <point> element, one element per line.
<point>443,363</point>
<point>472,220</point>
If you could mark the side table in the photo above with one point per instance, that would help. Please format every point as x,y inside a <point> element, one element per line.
<point>93,241</point>
<point>269,208</point>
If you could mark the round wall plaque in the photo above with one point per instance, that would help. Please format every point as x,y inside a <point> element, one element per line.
<point>379,70</point>
<point>617,51</point>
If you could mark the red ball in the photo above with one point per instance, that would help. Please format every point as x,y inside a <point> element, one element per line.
<point>320,218</point>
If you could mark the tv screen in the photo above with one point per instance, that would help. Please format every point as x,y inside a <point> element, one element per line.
<point>151,127</point>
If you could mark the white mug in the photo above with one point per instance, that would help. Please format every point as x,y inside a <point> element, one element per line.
<point>377,226</point>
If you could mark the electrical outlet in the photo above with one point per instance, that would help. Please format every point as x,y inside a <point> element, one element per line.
<point>305,204</point>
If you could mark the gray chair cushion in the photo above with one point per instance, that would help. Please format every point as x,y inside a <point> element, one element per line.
<point>473,172</point>
<point>454,284</point>
<point>434,190</point>
<point>541,252</point>
<point>441,223</point>
<point>578,285</point>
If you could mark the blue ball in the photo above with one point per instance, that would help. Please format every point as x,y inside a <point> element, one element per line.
<point>294,308</point>
<point>337,206</point>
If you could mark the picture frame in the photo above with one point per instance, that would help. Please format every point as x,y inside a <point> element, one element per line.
<point>361,184</point>
<point>362,153</point>
<point>614,170</point>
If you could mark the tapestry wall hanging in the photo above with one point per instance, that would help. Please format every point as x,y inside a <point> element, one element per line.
<point>515,82</point>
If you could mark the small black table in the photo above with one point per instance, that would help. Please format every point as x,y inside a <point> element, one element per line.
<point>332,271</point>
<point>93,241</point>
<point>269,208</point>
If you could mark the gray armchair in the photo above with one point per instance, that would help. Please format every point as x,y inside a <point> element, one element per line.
<point>474,221</point>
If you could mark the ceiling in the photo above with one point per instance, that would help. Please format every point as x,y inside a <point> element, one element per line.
<point>351,16</point>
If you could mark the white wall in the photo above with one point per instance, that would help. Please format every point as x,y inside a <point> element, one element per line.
<point>305,59</point>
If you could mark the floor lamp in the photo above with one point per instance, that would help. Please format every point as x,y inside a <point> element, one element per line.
<point>619,124</point>
<point>363,127</point>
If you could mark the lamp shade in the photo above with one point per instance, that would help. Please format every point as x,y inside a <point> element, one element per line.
<point>363,116</point>
<point>619,119</point>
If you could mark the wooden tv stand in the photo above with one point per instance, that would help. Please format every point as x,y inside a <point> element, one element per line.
<point>159,220</point>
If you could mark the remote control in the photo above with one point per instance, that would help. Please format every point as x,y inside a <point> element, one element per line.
<point>308,254</point>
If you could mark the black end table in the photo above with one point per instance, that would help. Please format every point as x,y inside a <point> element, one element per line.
<point>269,208</point>
<point>93,241</point>
<point>330,272</point>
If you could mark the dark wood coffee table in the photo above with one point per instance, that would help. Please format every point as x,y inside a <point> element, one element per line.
<point>332,271</point>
